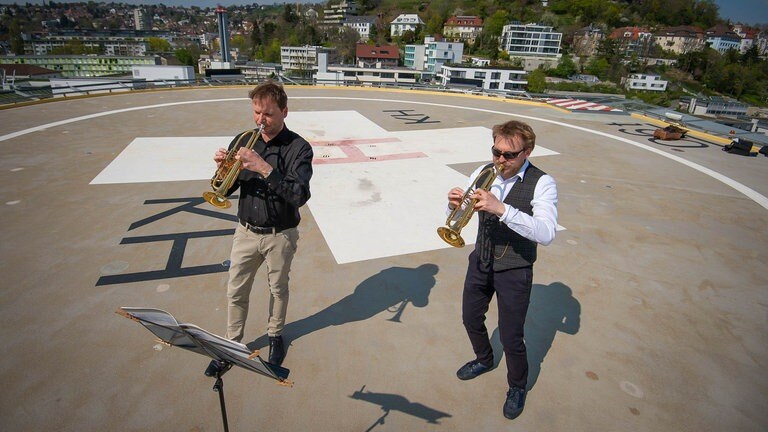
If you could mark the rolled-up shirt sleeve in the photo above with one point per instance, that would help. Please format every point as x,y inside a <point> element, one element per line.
<point>542,225</point>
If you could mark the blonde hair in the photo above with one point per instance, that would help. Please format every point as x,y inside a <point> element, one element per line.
<point>516,128</point>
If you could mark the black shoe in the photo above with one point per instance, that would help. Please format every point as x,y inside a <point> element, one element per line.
<point>472,369</point>
<point>276,350</point>
<point>515,403</point>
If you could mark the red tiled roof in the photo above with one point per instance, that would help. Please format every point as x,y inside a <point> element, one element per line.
<point>472,21</point>
<point>635,32</point>
<point>377,51</point>
<point>680,31</point>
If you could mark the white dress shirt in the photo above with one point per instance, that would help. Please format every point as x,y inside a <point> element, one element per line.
<point>542,226</point>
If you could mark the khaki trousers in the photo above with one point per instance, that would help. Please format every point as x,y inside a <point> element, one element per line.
<point>249,251</point>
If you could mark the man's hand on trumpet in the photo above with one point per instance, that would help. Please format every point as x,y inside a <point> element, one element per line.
<point>219,157</point>
<point>253,162</point>
<point>454,197</point>
<point>486,201</point>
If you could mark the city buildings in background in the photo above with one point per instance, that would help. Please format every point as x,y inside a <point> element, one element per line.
<point>61,51</point>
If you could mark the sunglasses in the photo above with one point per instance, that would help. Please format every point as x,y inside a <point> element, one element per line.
<point>507,155</point>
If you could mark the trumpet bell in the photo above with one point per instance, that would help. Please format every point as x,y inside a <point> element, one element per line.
<point>217,200</point>
<point>451,237</point>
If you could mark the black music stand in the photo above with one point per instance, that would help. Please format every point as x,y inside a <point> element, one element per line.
<point>224,352</point>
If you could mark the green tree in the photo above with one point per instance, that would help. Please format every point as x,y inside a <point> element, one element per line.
<point>289,14</point>
<point>537,81</point>
<point>239,42</point>
<point>751,57</point>
<point>435,25</point>
<point>494,24</point>
<point>565,67</point>
<point>408,37</point>
<point>187,56</point>
<point>345,42</point>
<point>157,45</point>
<point>599,67</point>
<point>255,35</point>
<point>272,52</point>
<point>705,13</point>
<point>17,42</point>
<point>487,44</point>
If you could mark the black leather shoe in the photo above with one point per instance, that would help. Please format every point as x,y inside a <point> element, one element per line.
<point>515,403</point>
<point>472,369</point>
<point>276,350</point>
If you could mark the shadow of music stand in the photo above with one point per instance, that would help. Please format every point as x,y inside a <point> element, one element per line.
<point>192,338</point>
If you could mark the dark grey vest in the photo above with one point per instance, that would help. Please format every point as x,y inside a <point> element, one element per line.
<point>501,246</point>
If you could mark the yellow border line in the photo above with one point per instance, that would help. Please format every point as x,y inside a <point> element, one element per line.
<point>439,93</point>
<point>289,88</point>
<point>715,139</point>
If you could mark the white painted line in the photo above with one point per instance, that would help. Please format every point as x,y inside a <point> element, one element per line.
<point>741,188</point>
<point>752,194</point>
<point>106,113</point>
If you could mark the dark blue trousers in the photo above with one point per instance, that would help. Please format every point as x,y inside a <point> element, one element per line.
<point>513,292</point>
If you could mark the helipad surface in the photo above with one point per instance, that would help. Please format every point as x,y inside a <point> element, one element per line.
<point>648,312</point>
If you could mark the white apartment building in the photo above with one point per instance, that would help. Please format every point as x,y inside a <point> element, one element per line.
<point>415,57</point>
<point>486,78</point>
<point>161,72</point>
<point>353,75</point>
<point>430,56</point>
<point>83,66</point>
<point>440,53</point>
<point>531,40</point>
<point>125,43</point>
<point>336,14</point>
<point>301,58</point>
<point>722,39</point>
<point>645,82</point>
<point>141,20</point>
<point>356,75</point>
<point>405,22</point>
<point>362,25</point>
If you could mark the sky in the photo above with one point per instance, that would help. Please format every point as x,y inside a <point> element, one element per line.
<point>200,3</point>
<point>745,11</point>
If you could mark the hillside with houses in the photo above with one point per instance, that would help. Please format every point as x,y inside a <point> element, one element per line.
<point>660,52</point>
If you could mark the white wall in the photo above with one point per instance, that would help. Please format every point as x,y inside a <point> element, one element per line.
<point>156,73</point>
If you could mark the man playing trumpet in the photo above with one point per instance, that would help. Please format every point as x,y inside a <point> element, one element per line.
<point>274,184</point>
<point>517,213</point>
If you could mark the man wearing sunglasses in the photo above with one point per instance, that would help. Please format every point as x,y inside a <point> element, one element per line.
<point>516,214</point>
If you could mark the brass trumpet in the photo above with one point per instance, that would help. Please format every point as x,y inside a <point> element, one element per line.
<point>228,170</point>
<point>460,216</point>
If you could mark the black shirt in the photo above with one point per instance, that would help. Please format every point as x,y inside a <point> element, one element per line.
<point>274,201</point>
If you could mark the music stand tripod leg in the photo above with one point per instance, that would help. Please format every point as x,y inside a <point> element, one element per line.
<point>218,368</point>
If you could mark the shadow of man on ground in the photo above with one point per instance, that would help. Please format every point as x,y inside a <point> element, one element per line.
<point>552,308</point>
<point>392,287</point>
